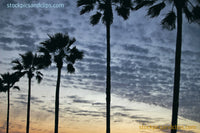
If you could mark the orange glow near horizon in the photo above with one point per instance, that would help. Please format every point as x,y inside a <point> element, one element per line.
<point>43,122</point>
<point>87,117</point>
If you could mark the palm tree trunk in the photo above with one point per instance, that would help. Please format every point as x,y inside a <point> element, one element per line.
<point>57,101</point>
<point>108,74</point>
<point>8,110</point>
<point>108,84</point>
<point>177,71</point>
<point>28,105</point>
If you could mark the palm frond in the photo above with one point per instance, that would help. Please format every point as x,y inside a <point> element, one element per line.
<point>6,77</point>
<point>124,3</point>
<point>8,80</point>
<point>94,19</point>
<point>27,59</point>
<point>58,59</point>
<point>47,45</point>
<point>39,76</point>
<point>20,74</point>
<point>16,87</point>
<point>71,41</point>
<point>56,42</point>
<point>17,65</point>
<point>78,54</point>
<point>142,3</point>
<point>86,9</point>
<point>169,21</point>
<point>102,7</point>
<point>44,61</point>
<point>2,87</point>
<point>36,61</point>
<point>85,2</point>
<point>60,41</point>
<point>188,14</point>
<point>116,1</point>
<point>43,50</point>
<point>123,12</point>
<point>107,16</point>
<point>155,10</point>
<point>75,54</point>
<point>196,14</point>
<point>70,68</point>
<point>39,73</point>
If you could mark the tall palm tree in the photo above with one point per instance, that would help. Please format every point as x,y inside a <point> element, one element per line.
<point>7,82</point>
<point>191,9</point>
<point>58,48</point>
<point>29,64</point>
<point>104,12</point>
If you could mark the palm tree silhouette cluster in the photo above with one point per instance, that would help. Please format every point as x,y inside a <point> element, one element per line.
<point>58,48</point>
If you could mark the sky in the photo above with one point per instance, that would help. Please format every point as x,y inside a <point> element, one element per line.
<point>142,67</point>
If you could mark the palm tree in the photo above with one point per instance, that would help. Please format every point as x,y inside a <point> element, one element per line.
<point>58,48</point>
<point>29,64</point>
<point>191,9</point>
<point>104,12</point>
<point>7,82</point>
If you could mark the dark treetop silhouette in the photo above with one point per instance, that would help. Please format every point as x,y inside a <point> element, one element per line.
<point>191,9</point>
<point>30,65</point>
<point>105,13</point>
<point>7,82</point>
<point>58,48</point>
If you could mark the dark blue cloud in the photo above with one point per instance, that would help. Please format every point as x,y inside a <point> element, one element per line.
<point>135,48</point>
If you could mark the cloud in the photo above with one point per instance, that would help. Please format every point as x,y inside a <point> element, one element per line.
<point>5,40</point>
<point>5,47</point>
<point>140,119</point>
<point>23,17</point>
<point>25,27</point>
<point>81,101</point>
<point>98,104</point>
<point>22,99</point>
<point>136,49</point>
<point>45,22</point>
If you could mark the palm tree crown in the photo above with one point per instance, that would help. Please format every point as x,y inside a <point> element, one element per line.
<point>104,9</point>
<point>7,82</point>
<point>191,9</point>
<point>58,48</point>
<point>29,64</point>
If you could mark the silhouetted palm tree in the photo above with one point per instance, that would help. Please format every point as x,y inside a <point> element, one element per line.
<point>191,9</point>
<point>104,12</point>
<point>7,82</point>
<point>58,48</point>
<point>29,64</point>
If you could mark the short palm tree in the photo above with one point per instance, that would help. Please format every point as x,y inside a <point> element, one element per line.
<point>104,12</point>
<point>58,48</point>
<point>7,81</point>
<point>29,64</point>
<point>191,9</point>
